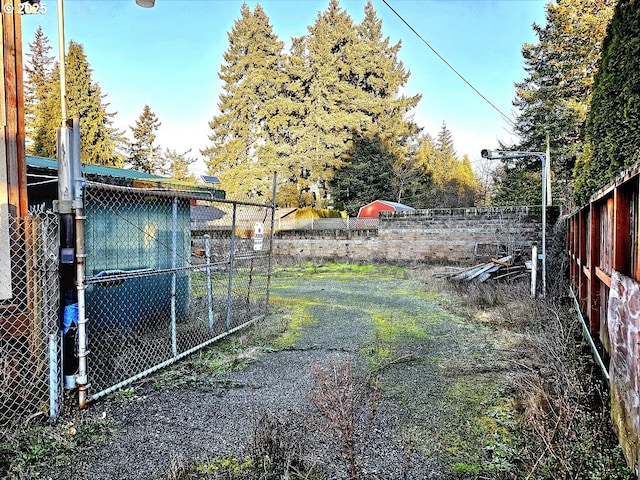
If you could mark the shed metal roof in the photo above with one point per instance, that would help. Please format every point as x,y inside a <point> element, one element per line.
<point>97,170</point>
<point>119,175</point>
<point>398,207</point>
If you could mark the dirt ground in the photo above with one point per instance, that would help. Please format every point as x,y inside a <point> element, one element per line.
<point>437,401</point>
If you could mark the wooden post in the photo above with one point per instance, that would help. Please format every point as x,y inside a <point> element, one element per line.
<point>12,149</point>
<point>593,290</point>
<point>621,232</point>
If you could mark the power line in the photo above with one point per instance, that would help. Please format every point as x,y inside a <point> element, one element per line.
<point>503,115</point>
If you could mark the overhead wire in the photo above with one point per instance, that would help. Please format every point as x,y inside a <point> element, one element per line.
<point>502,114</point>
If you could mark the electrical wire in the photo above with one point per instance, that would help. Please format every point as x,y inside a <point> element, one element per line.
<point>503,115</point>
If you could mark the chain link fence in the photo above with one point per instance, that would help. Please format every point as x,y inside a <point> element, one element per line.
<point>30,348</point>
<point>166,274</point>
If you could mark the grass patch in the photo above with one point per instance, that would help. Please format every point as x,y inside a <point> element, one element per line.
<point>332,269</point>
<point>298,317</point>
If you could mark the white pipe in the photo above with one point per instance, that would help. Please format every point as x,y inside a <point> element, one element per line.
<point>534,268</point>
<point>81,378</point>
<point>54,377</point>
<point>544,225</point>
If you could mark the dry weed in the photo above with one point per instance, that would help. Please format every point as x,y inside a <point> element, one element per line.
<point>345,408</point>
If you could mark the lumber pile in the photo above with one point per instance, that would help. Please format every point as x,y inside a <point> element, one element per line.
<point>496,269</point>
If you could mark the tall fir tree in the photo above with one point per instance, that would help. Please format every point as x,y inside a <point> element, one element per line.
<point>452,182</point>
<point>98,137</point>
<point>351,82</point>
<point>99,140</point>
<point>378,72</point>
<point>555,96</point>
<point>245,148</point>
<point>37,87</point>
<point>613,135</point>
<point>321,66</point>
<point>338,82</point>
<point>143,153</point>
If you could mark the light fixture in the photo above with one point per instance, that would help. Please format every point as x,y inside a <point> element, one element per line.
<point>506,155</point>
<point>146,3</point>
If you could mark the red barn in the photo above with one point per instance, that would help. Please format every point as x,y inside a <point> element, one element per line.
<point>371,210</point>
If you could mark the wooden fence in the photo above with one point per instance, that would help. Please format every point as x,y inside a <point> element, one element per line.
<point>604,275</point>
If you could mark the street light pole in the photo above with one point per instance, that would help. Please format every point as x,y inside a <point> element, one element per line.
<point>500,155</point>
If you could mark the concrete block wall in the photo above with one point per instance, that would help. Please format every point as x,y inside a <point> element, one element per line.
<point>439,235</point>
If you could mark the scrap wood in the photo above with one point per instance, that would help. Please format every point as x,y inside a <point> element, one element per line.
<point>513,273</point>
<point>460,270</point>
<point>502,262</point>
<point>496,268</point>
<point>479,270</point>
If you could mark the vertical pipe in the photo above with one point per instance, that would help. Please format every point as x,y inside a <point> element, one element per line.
<point>65,209</point>
<point>81,377</point>
<point>76,188</point>
<point>273,215</point>
<point>54,381</point>
<point>544,225</point>
<point>76,160</point>
<point>534,268</point>
<point>207,253</point>
<point>61,44</point>
<point>174,253</point>
<point>548,172</point>
<point>232,254</point>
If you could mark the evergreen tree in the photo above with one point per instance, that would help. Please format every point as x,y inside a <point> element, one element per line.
<point>321,66</point>
<point>144,154</point>
<point>49,119</point>
<point>98,139</point>
<point>444,142</point>
<point>555,96</point>
<point>365,177</point>
<point>377,72</point>
<point>349,80</point>
<point>452,182</point>
<point>614,137</point>
<point>246,148</point>
<point>298,114</point>
<point>178,165</point>
<point>37,87</point>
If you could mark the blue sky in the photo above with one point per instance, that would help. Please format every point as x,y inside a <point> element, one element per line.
<point>169,56</point>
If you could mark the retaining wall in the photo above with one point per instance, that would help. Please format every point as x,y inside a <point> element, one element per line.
<point>459,235</point>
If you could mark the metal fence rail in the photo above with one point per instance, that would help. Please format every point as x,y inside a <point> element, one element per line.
<point>166,274</point>
<point>29,334</point>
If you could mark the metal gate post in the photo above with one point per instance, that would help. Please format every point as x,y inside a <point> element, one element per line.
<point>174,253</point>
<point>232,254</point>
<point>207,253</point>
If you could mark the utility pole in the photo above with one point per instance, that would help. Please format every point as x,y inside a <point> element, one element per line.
<point>13,171</point>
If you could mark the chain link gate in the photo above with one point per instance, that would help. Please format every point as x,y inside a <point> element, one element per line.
<point>167,273</point>
<point>30,349</point>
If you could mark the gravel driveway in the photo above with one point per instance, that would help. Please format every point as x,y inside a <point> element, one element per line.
<point>434,373</point>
